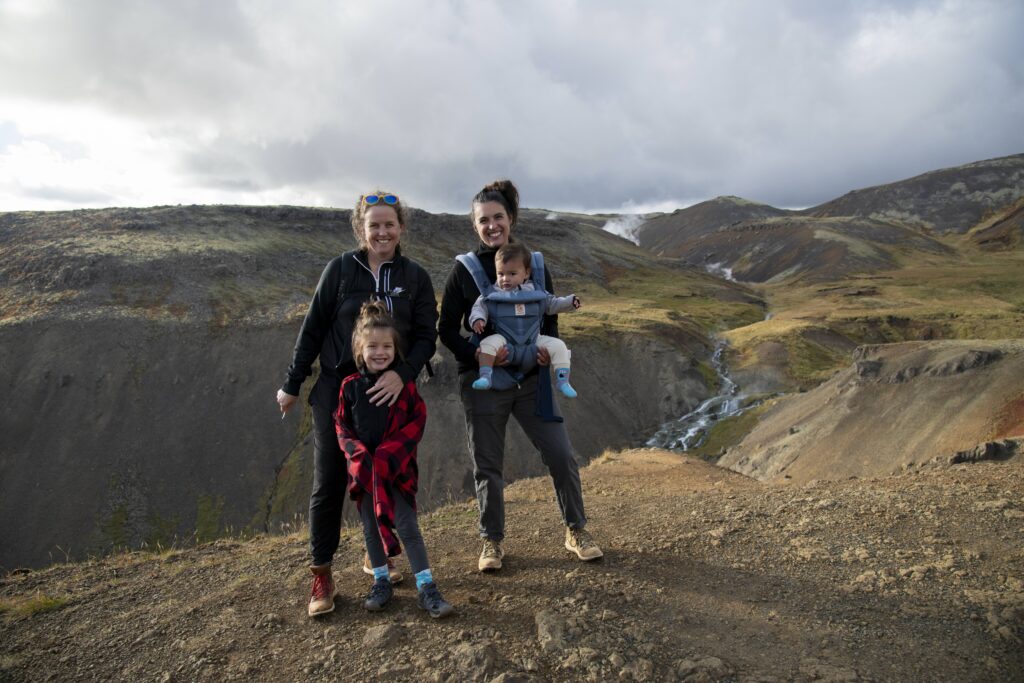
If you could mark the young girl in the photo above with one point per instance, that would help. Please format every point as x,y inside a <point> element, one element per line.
<point>379,443</point>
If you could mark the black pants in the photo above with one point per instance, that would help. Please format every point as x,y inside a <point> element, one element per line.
<point>487,414</point>
<point>330,481</point>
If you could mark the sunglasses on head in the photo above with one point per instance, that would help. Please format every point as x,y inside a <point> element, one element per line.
<point>373,199</point>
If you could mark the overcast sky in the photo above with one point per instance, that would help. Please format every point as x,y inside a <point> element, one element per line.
<point>594,106</point>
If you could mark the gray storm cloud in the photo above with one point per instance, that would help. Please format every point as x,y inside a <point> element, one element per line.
<point>587,106</point>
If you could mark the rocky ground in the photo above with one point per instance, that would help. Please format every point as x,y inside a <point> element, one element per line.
<point>708,576</point>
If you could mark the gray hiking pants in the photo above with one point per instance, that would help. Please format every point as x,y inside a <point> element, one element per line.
<point>487,414</point>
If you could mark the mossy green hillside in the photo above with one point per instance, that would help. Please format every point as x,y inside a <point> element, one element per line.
<point>969,295</point>
<point>726,433</point>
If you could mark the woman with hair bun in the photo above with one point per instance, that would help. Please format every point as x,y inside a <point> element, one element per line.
<point>494,211</point>
<point>376,270</point>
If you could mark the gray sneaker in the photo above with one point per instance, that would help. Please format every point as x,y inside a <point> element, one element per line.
<point>430,599</point>
<point>580,542</point>
<point>490,556</point>
<point>379,595</point>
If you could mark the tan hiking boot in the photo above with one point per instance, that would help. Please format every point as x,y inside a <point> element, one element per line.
<point>321,597</point>
<point>396,576</point>
<point>490,557</point>
<point>579,541</point>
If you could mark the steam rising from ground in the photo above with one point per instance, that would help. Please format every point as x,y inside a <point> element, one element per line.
<point>720,270</point>
<point>625,226</point>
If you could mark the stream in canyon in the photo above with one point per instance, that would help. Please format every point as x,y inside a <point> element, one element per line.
<point>691,430</point>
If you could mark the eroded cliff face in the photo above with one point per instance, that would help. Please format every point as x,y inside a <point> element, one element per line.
<point>897,406</point>
<point>119,432</point>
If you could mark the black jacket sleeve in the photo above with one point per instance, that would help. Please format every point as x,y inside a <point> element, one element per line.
<point>423,327</point>
<point>549,325</point>
<point>454,311</point>
<point>315,326</point>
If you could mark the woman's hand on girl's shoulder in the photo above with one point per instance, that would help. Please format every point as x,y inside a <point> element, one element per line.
<point>386,389</point>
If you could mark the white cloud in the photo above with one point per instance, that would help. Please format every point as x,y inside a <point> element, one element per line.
<point>587,106</point>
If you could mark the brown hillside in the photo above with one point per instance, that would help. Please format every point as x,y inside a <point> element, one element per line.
<point>707,576</point>
<point>896,406</point>
<point>664,234</point>
<point>946,200</point>
<point>1004,230</point>
<point>809,249</point>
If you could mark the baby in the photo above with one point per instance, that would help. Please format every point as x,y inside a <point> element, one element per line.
<point>516,309</point>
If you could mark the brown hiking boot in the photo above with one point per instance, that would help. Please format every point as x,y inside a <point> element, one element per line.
<point>579,541</point>
<point>321,597</point>
<point>490,557</point>
<point>396,576</point>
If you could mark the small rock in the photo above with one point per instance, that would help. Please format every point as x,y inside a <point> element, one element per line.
<point>512,677</point>
<point>474,661</point>
<point>269,620</point>
<point>703,669</point>
<point>381,636</point>
<point>640,670</point>
<point>551,630</point>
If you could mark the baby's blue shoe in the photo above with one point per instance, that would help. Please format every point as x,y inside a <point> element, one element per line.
<point>482,383</point>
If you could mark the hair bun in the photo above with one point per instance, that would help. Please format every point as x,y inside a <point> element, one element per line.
<point>374,309</point>
<point>507,190</point>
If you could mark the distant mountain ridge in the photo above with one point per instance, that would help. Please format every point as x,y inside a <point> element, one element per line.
<point>862,231</point>
<point>664,233</point>
<point>947,200</point>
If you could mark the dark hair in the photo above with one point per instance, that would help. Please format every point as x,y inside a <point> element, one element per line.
<point>511,251</point>
<point>502,191</point>
<point>373,316</point>
<point>359,214</point>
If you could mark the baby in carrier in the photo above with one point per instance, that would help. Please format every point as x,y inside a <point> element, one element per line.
<point>515,306</point>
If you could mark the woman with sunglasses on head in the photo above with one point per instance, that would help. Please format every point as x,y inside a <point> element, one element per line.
<point>494,212</point>
<point>377,270</point>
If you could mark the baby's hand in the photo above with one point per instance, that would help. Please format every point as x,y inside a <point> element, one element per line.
<point>576,303</point>
<point>478,326</point>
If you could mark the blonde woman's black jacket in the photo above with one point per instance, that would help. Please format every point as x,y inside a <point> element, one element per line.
<point>406,289</point>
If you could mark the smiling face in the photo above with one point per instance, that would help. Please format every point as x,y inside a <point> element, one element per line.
<point>491,223</point>
<point>378,349</point>
<point>511,273</point>
<point>381,232</point>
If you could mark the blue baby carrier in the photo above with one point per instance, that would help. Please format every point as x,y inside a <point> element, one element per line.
<point>517,316</point>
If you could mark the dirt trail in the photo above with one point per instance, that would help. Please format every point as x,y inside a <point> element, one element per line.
<point>707,576</point>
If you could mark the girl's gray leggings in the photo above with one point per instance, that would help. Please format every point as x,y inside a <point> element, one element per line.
<point>408,533</point>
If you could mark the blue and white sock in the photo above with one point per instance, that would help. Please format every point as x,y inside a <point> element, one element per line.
<point>423,578</point>
<point>381,573</point>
